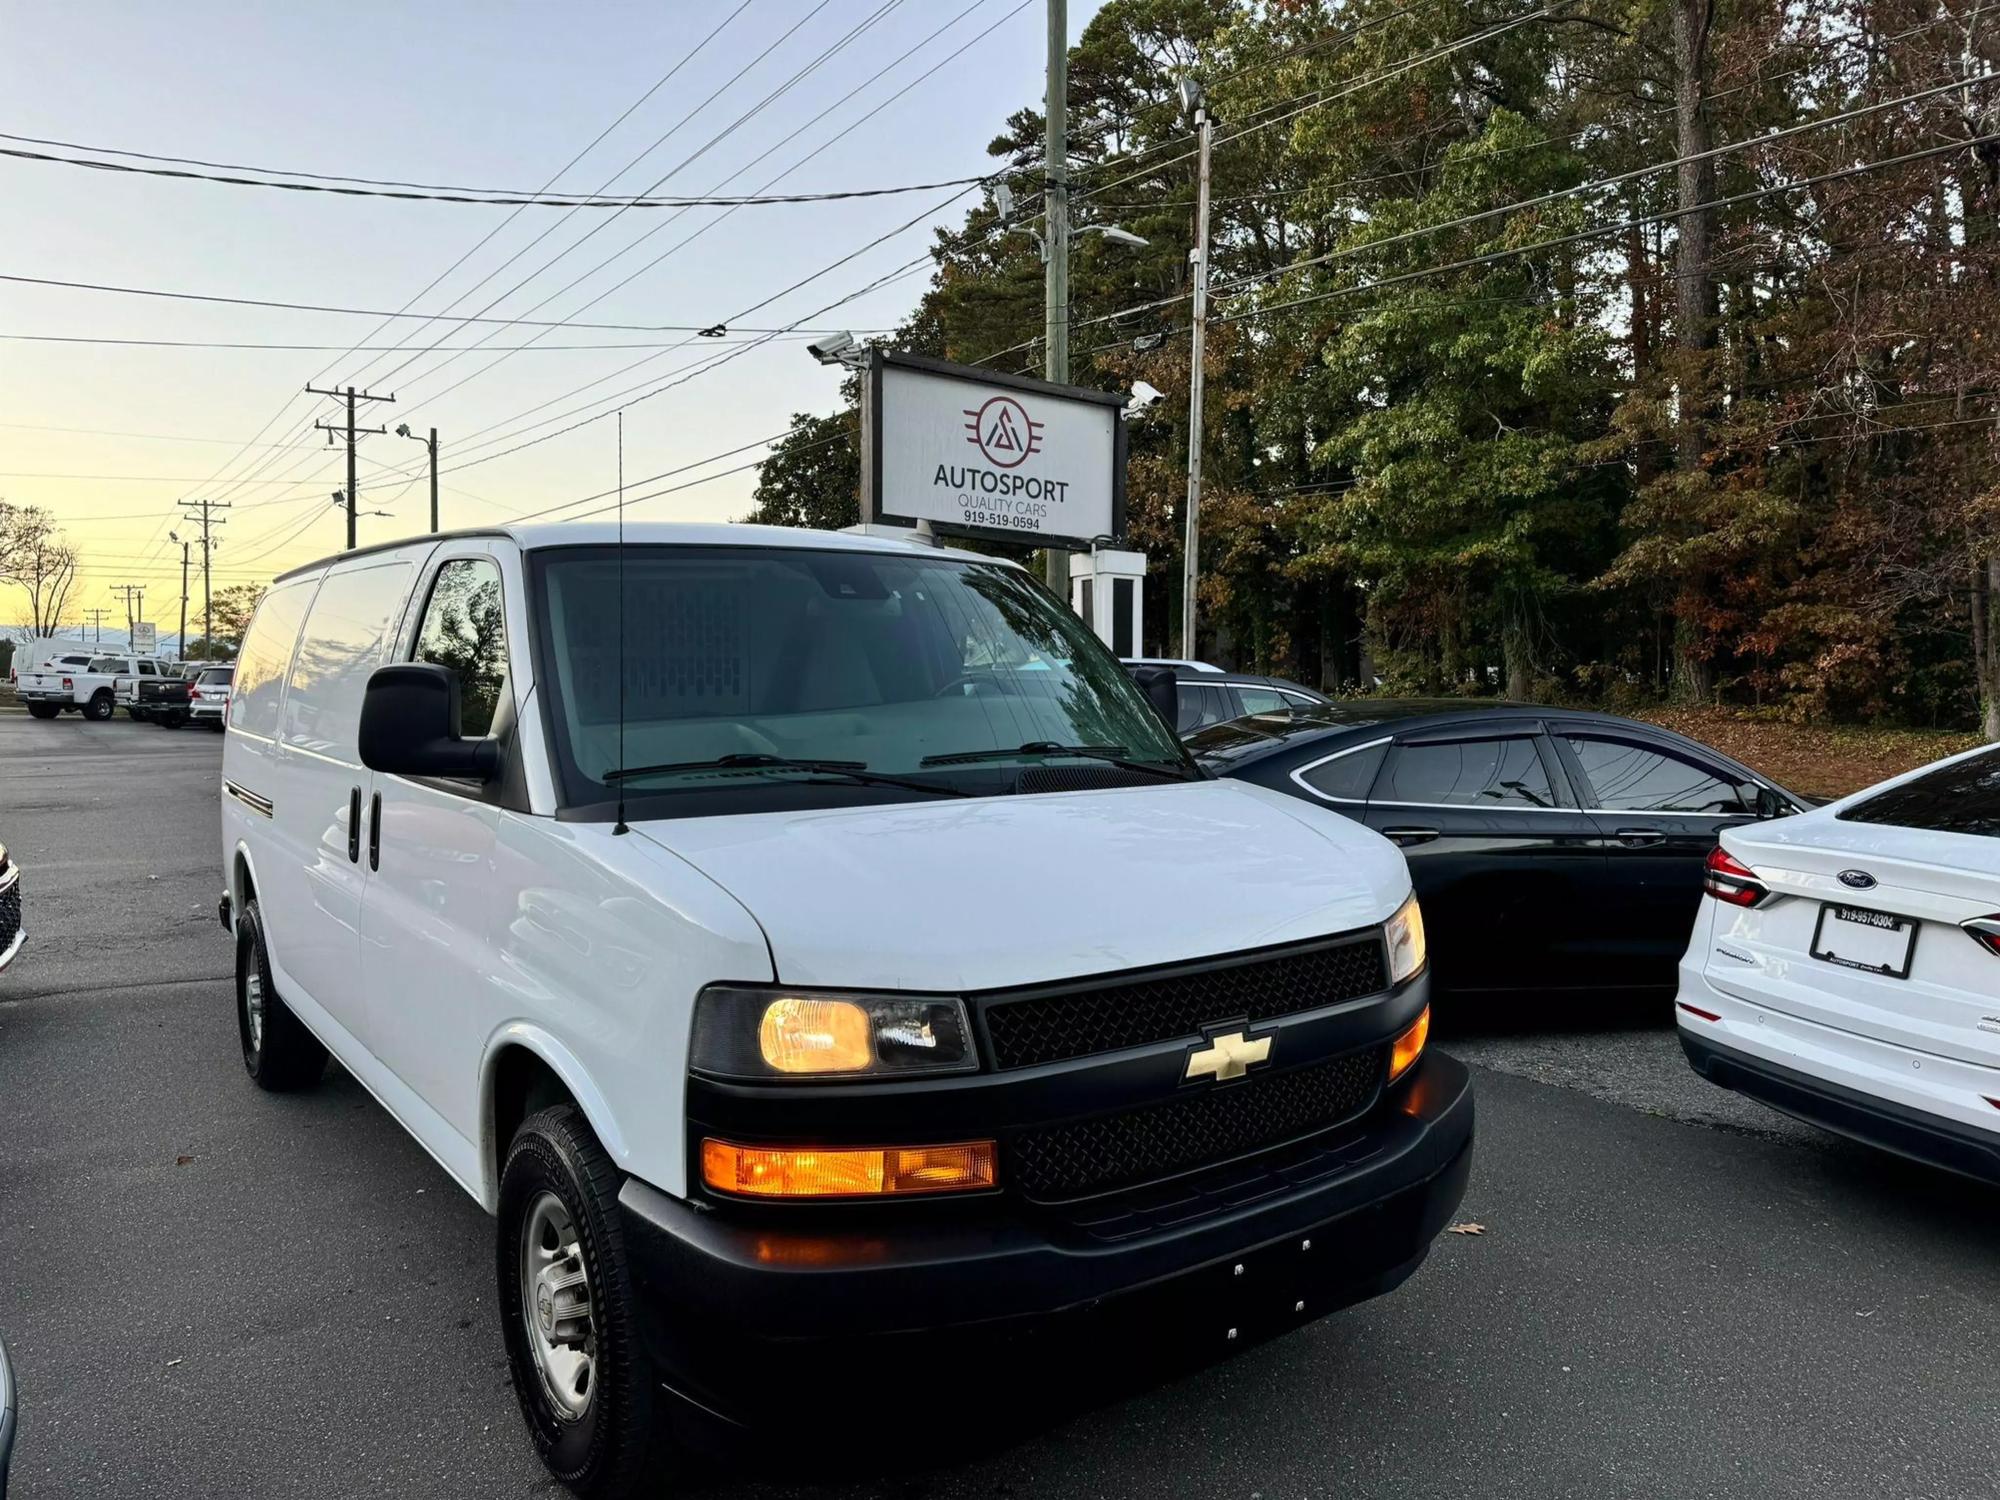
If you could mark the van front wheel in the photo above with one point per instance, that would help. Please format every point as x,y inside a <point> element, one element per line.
<point>278,1052</point>
<point>584,1380</point>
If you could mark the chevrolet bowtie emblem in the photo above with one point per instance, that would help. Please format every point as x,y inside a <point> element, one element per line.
<point>1227,1057</point>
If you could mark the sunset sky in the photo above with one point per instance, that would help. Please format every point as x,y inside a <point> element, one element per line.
<point>112,438</point>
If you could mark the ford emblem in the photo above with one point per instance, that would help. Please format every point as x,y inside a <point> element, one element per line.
<point>1859,880</point>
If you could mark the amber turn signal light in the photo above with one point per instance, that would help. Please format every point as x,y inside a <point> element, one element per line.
<point>820,1172</point>
<point>1410,1045</point>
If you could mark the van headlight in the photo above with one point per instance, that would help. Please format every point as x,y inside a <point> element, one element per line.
<point>1404,934</point>
<point>773,1033</point>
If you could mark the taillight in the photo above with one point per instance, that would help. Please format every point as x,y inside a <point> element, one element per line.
<point>194,695</point>
<point>1731,881</point>
<point>68,684</point>
<point>1985,931</point>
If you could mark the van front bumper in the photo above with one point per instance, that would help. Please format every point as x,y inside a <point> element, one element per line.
<point>745,1306</point>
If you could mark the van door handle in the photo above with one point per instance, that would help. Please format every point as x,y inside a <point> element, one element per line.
<point>1408,836</point>
<point>1640,838</point>
<point>354,825</point>
<point>375,833</point>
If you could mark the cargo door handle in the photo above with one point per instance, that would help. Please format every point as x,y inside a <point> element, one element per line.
<point>354,825</point>
<point>1408,836</point>
<point>1640,838</point>
<point>375,833</point>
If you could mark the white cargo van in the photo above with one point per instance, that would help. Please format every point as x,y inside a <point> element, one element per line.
<point>820,956</point>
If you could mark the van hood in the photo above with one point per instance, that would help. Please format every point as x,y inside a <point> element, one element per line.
<point>992,892</point>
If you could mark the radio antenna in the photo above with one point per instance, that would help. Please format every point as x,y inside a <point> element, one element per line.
<point>619,826</point>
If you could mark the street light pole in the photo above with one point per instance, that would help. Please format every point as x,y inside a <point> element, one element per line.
<point>1191,548</point>
<point>1055,160</point>
<point>430,443</point>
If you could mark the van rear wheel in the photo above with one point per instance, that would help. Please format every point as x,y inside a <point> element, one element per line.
<point>278,1052</point>
<point>580,1369</point>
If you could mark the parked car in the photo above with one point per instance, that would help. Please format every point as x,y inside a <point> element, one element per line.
<point>208,695</point>
<point>1216,697</point>
<point>1846,968</point>
<point>166,699</point>
<point>94,692</point>
<point>824,961</point>
<point>145,671</point>
<point>13,934</point>
<point>8,1416</point>
<point>1551,849</point>
<point>59,660</point>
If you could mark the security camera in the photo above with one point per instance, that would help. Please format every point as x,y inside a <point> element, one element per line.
<point>402,429</point>
<point>1144,398</point>
<point>829,349</point>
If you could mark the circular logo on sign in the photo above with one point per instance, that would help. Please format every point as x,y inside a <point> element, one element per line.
<point>1002,431</point>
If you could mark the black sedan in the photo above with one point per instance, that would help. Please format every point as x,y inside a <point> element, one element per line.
<point>1551,849</point>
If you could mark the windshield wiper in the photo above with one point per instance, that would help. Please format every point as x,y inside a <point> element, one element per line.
<point>1116,755</point>
<point>853,770</point>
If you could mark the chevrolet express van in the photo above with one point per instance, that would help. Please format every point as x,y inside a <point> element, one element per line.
<point>820,957</point>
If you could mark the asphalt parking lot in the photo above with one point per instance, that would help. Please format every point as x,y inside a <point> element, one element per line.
<point>212,1291</point>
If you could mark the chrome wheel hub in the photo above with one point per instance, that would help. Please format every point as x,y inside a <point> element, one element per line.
<point>556,1307</point>
<point>253,1007</point>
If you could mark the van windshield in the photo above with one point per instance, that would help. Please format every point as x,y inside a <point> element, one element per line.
<point>948,673</point>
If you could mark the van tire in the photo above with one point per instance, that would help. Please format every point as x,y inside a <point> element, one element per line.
<point>101,705</point>
<point>44,710</point>
<point>614,1447</point>
<point>278,1052</point>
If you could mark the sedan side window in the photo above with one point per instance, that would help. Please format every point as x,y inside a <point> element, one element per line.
<point>1262,700</point>
<point>1469,773</point>
<point>464,631</point>
<point>1627,777</point>
<point>1201,706</point>
<point>1347,776</point>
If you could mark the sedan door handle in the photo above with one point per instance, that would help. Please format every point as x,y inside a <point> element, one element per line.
<point>1640,838</point>
<point>1408,836</point>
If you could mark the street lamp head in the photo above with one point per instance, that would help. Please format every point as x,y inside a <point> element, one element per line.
<point>402,429</point>
<point>1003,199</point>
<point>1122,236</point>
<point>1191,95</point>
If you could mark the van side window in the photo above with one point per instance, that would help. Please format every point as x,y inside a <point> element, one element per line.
<point>465,631</point>
<point>348,634</point>
<point>266,653</point>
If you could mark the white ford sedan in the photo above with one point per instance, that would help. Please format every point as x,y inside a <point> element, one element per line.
<point>1847,967</point>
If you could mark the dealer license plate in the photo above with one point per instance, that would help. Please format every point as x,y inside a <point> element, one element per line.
<point>1875,942</point>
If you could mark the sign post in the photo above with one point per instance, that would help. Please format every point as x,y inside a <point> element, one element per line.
<point>969,452</point>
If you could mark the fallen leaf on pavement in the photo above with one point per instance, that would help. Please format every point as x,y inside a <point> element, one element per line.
<point>183,1161</point>
<point>1466,1228</point>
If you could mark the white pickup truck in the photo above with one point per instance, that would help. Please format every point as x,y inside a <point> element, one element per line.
<point>94,692</point>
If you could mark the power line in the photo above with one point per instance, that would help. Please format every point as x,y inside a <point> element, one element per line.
<point>58,338</point>
<point>471,196</point>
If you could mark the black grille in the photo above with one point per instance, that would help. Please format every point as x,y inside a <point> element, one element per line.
<point>1215,1125</point>
<point>10,914</point>
<point>1158,1008</point>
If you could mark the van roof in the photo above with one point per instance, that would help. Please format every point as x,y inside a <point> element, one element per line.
<point>655,533</point>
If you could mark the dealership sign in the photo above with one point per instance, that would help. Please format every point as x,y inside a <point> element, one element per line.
<point>975,453</point>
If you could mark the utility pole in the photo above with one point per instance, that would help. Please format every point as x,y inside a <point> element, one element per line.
<point>351,396</point>
<point>1191,550</point>
<point>134,595</point>
<point>181,640</point>
<point>97,622</point>
<point>1055,162</point>
<point>203,512</point>
<point>403,431</point>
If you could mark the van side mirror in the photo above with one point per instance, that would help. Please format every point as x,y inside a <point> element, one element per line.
<point>1161,685</point>
<point>1771,805</point>
<point>410,726</point>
